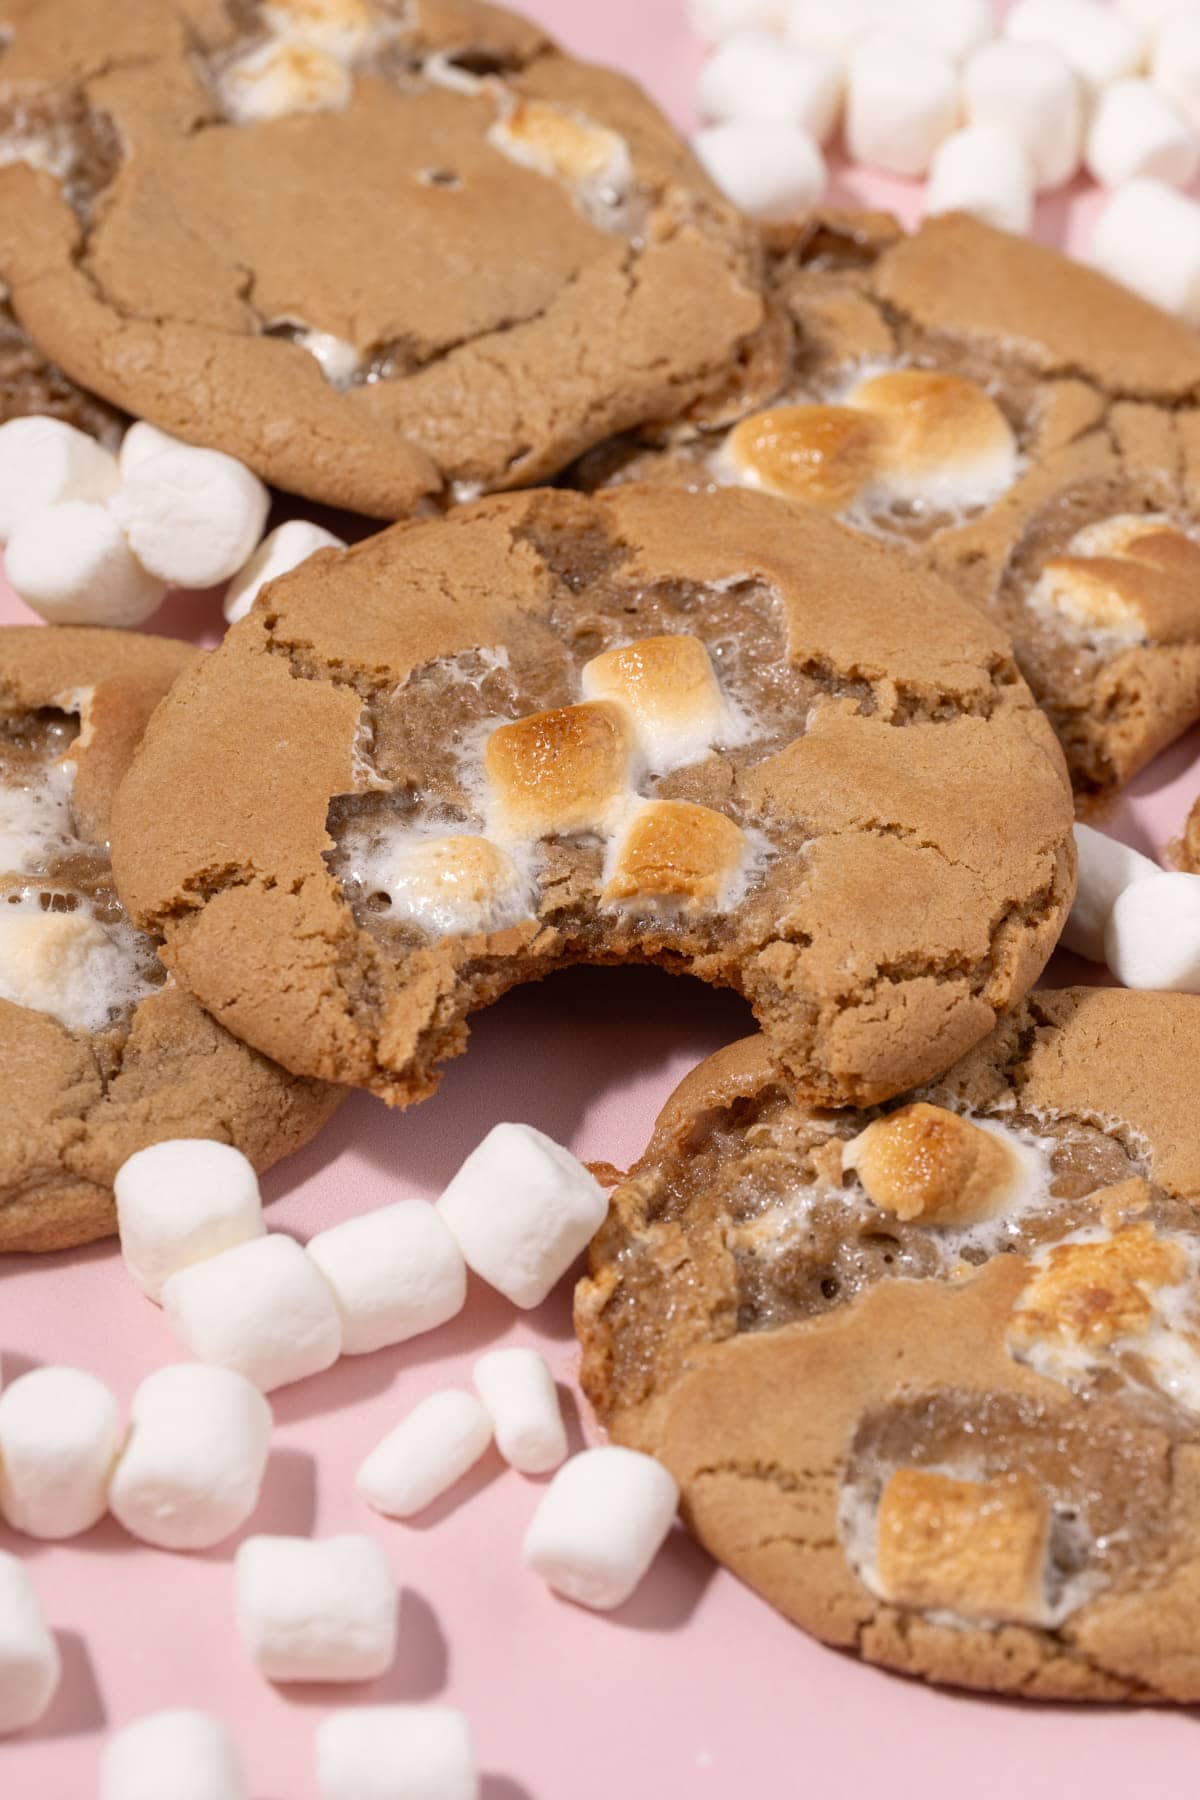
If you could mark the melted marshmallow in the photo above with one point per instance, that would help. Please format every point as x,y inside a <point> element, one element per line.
<point>69,965</point>
<point>448,885</point>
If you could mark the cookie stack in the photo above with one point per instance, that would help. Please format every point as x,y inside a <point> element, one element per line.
<point>854,555</point>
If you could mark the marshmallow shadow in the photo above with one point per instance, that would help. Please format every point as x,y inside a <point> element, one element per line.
<point>502,1787</point>
<point>419,1670</point>
<point>671,1590</point>
<point>77,1706</point>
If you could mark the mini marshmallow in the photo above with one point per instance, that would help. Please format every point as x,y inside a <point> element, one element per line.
<point>835,25</point>
<point>316,1609</point>
<point>262,1308</point>
<point>772,170</point>
<point>755,76</point>
<point>713,20</point>
<point>984,171</point>
<point>977,1549</point>
<point>669,688</point>
<point>180,1202</point>
<point>192,516</point>
<point>1106,868</point>
<point>924,1162</point>
<point>944,441</point>
<point>951,27</point>
<point>1148,238</point>
<point>281,551</point>
<point>68,965</point>
<point>1136,131</point>
<point>522,1209</point>
<point>517,1387</point>
<point>1176,62</point>
<point>1152,939</point>
<point>393,1273</point>
<point>140,441</point>
<point>175,1755</point>
<point>397,1753</point>
<point>901,101</point>
<point>1031,92</point>
<point>676,858</point>
<point>1099,44</point>
<point>431,1449</point>
<point>600,1525</point>
<point>45,462</point>
<point>564,146</point>
<point>560,771</point>
<point>1149,16</point>
<point>275,79</point>
<point>58,1441</point>
<point>448,884</point>
<point>71,563</point>
<point>29,1661</point>
<point>344,27</point>
<point>191,1471</point>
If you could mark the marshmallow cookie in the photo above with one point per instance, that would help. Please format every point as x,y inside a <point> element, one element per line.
<point>1015,420</point>
<point>377,251</point>
<point>929,1377</point>
<point>100,1053</point>
<point>700,730</point>
<point>1187,855</point>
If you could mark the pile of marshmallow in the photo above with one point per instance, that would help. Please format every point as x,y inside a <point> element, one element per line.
<point>991,110</point>
<point>1143,921</point>
<point>93,538</point>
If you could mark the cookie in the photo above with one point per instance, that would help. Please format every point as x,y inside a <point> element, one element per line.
<point>929,1378</point>
<point>1187,852</point>
<point>100,1052</point>
<point>378,252</point>
<point>30,384</point>
<point>1013,420</point>
<point>696,730</point>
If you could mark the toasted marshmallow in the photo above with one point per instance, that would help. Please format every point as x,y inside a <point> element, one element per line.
<point>558,772</point>
<point>449,886</point>
<point>589,159</point>
<point>69,965</point>
<point>1092,1290</point>
<point>670,688</point>
<point>1131,578</point>
<point>344,28</point>
<point>35,822</point>
<point>674,857</point>
<point>945,442</point>
<point>823,455</point>
<point>922,1162</point>
<point>978,1549</point>
<point>279,78</point>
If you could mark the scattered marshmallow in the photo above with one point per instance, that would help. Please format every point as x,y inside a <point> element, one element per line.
<point>262,1308</point>
<point>953,28</point>
<point>517,1387</point>
<point>983,171</point>
<point>175,1755</point>
<point>58,1442</point>
<point>770,169</point>
<point>1149,16</point>
<point>45,462</point>
<point>316,1609</point>
<point>1136,131</point>
<point>1176,62</point>
<point>180,1202</point>
<point>713,20</point>
<point>192,1469</point>
<point>281,551</point>
<point>754,75</point>
<point>29,1661</point>
<point>600,1525</point>
<point>71,563</point>
<point>397,1753</point>
<point>901,101</point>
<point>442,1437</point>
<point>1148,237</point>
<point>192,517</point>
<point>1100,45</point>
<point>1106,868</point>
<point>393,1272</point>
<point>1152,939</point>
<point>522,1209</point>
<point>140,441</point>
<point>1031,92</point>
<point>839,26</point>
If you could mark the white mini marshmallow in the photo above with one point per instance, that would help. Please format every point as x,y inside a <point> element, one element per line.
<point>262,1308</point>
<point>522,1209</point>
<point>1176,62</point>
<point>191,1471</point>
<point>1149,16</point>
<point>316,1609</point>
<point>1148,237</point>
<point>175,1755</point>
<point>1106,868</point>
<point>984,171</point>
<point>952,27</point>
<point>1137,131</point>
<point>517,1387</point>
<point>180,1202</point>
<point>772,170</point>
<point>1031,92</point>
<point>712,20</point>
<point>44,462</point>
<point>1099,44</point>
<point>901,101</point>
<point>281,551</point>
<point>140,441</point>
<point>59,1437</point>
<point>29,1661</point>
<point>600,1525</point>
<point>394,1272</point>
<point>836,25</point>
<point>69,965</point>
<point>1153,935</point>
<point>755,76</point>
<point>433,1447</point>
<point>192,516</point>
<point>277,78</point>
<point>397,1753</point>
<point>71,563</point>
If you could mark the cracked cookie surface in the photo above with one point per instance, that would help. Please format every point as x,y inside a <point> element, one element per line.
<point>929,1376</point>
<point>378,252</point>
<point>100,1053</point>
<point>694,730</point>
<point>1009,418</point>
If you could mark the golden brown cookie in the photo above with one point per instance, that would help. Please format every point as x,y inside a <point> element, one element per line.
<point>1014,420</point>
<point>1187,852</point>
<point>697,730</point>
<point>377,251</point>
<point>929,1377</point>
<point>100,1052</point>
<point>30,384</point>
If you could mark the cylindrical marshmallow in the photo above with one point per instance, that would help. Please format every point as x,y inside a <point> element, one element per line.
<point>1149,16</point>
<point>1137,131</point>
<point>1153,935</point>
<point>192,516</point>
<point>755,76</point>
<point>1031,92</point>
<point>140,441</point>
<point>393,1272</point>
<point>1099,44</point>
<point>316,1609</point>
<point>175,1755</point>
<point>600,1525</point>
<point>712,20</point>
<point>180,1202</point>
<point>397,1753</point>
<point>441,1438</point>
<point>59,1435</point>
<point>772,170</point>
<point>1148,237</point>
<point>901,101</point>
<point>43,462</point>
<point>263,1308</point>
<point>517,1387</point>
<point>1176,62</point>
<point>29,1661</point>
<point>1106,868</point>
<point>281,551</point>
<point>522,1209</point>
<point>983,171</point>
<point>70,563</point>
<point>952,27</point>
<point>835,25</point>
<point>191,1471</point>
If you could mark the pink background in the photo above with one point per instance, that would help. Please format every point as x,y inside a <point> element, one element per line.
<point>694,1687</point>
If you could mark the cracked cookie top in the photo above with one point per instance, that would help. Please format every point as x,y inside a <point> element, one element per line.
<point>380,251</point>
<point>100,1053</point>
<point>695,730</point>
<point>929,1375</point>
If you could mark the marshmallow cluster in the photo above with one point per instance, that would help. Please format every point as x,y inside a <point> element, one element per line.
<point>1143,922</point>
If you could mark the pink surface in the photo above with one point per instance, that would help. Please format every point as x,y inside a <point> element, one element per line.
<point>695,1687</point>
